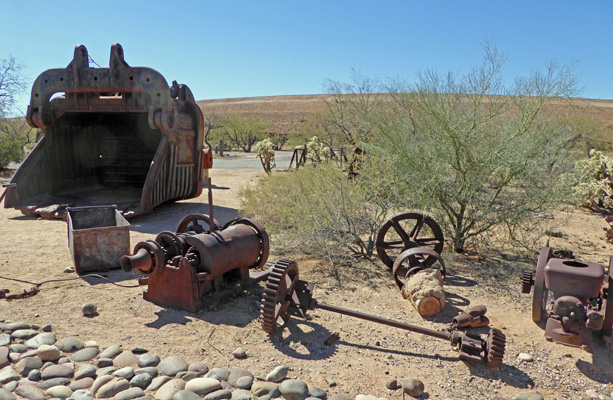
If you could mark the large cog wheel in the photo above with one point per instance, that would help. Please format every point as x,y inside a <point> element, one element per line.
<point>278,294</point>
<point>192,223</point>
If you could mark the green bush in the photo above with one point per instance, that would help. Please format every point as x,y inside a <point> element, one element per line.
<point>14,136</point>
<point>317,211</point>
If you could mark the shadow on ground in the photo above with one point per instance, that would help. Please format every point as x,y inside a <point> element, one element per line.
<point>167,216</point>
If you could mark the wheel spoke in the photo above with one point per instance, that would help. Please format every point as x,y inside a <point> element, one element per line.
<point>417,228</point>
<point>428,242</point>
<point>406,239</point>
<point>396,244</point>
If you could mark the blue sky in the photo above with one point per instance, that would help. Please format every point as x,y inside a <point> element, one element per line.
<point>224,49</point>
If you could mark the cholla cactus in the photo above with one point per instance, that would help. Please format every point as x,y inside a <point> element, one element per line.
<point>592,181</point>
<point>266,154</point>
<point>317,151</point>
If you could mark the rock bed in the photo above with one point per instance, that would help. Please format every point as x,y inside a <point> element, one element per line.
<point>35,365</point>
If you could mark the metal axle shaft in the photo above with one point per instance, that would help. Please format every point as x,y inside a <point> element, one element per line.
<point>423,331</point>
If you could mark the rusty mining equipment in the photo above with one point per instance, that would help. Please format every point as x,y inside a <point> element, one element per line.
<point>581,293</point>
<point>117,135</point>
<point>408,243</point>
<point>182,268</point>
<point>285,296</point>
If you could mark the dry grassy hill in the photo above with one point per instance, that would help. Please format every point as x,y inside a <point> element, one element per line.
<point>289,113</point>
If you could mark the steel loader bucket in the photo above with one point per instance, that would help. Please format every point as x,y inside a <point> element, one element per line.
<point>117,135</point>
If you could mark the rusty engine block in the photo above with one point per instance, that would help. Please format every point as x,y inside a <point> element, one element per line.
<point>183,267</point>
<point>582,302</point>
<point>117,135</point>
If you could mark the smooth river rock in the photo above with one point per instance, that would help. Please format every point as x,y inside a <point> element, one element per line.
<point>69,345</point>
<point>85,371</point>
<point>277,374</point>
<point>221,374</point>
<point>30,392</point>
<point>8,374</point>
<point>85,354</point>
<point>47,338</point>
<point>111,352</point>
<point>172,365</point>
<point>26,365</point>
<point>148,360</point>
<point>59,392</point>
<point>47,353</point>
<point>203,386</point>
<point>167,391</point>
<point>294,389</point>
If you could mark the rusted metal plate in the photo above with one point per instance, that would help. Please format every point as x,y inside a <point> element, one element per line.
<point>117,135</point>
<point>97,237</point>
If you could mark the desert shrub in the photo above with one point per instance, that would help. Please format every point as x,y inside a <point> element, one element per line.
<point>15,135</point>
<point>317,211</point>
<point>592,181</point>
<point>11,150</point>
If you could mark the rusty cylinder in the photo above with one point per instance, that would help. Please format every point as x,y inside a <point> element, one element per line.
<point>235,247</point>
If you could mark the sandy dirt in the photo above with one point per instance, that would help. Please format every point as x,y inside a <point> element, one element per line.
<point>366,355</point>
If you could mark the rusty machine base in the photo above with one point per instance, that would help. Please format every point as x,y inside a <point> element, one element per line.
<point>581,293</point>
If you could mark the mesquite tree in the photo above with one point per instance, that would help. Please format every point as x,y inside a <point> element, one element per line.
<point>477,153</point>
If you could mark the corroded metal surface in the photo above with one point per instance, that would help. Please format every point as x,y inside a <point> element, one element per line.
<point>581,294</point>
<point>285,295</point>
<point>183,267</point>
<point>406,231</point>
<point>97,237</point>
<point>117,135</point>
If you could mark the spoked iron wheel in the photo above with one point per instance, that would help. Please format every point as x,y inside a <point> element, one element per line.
<point>406,231</point>
<point>278,293</point>
<point>198,223</point>
<point>541,293</point>
<point>411,261</point>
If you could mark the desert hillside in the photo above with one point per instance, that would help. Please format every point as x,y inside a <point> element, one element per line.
<point>288,112</point>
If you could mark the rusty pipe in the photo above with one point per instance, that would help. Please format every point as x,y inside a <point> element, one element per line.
<point>417,329</point>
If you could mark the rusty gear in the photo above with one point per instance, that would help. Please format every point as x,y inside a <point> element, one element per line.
<point>527,281</point>
<point>172,244</point>
<point>494,348</point>
<point>391,242</point>
<point>278,295</point>
<point>190,223</point>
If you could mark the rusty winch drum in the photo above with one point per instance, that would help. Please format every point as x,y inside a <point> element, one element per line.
<point>182,267</point>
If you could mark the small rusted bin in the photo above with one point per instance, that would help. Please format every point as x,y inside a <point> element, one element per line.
<point>98,237</point>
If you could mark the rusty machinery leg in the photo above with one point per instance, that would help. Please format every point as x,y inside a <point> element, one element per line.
<point>285,295</point>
